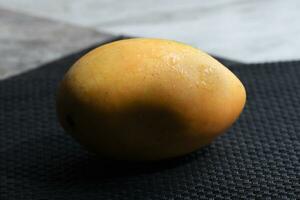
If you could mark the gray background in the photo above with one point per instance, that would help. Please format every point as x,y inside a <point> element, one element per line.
<point>33,32</point>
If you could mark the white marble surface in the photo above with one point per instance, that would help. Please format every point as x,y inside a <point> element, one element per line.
<point>27,42</point>
<point>251,31</point>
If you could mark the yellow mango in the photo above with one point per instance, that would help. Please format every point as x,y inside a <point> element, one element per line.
<point>148,99</point>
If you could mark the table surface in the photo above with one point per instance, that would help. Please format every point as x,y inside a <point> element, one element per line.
<point>34,32</point>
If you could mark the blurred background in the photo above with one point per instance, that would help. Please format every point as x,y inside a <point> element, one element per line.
<point>33,32</point>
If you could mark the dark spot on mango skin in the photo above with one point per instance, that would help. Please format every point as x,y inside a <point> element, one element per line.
<point>70,121</point>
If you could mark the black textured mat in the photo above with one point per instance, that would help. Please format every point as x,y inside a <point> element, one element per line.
<point>259,157</point>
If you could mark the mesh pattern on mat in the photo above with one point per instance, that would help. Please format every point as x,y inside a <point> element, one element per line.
<point>257,158</point>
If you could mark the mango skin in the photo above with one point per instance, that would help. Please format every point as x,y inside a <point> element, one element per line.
<point>148,99</point>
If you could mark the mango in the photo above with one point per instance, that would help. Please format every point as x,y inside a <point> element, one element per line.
<point>148,99</point>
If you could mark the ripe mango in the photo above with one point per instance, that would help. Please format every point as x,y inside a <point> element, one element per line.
<point>148,99</point>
